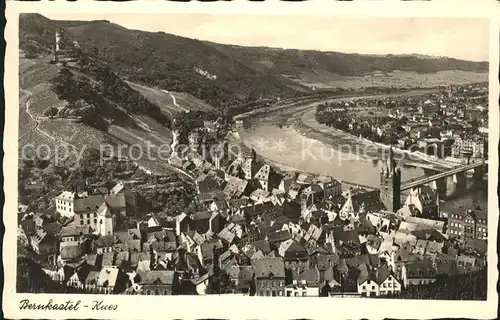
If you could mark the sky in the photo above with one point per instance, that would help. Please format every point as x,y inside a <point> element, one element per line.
<point>452,37</point>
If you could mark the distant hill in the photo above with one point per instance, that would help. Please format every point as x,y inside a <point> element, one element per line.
<point>294,62</point>
<point>163,60</point>
<point>221,75</point>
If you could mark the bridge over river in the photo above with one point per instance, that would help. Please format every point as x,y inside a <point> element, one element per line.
<point>459,172</point>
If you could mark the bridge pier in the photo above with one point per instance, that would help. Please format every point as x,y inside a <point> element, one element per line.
<point>433,185</point>
<point>459,183</point>
<point>479,173</point>
<point>439,186</point>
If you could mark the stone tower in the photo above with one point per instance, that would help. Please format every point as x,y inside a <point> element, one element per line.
<point>58,41</point>
<point>390,184</point>
<point>54,54</point>
<point>175,142</point>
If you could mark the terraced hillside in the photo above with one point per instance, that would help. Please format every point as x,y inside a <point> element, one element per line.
<point>36,129</point>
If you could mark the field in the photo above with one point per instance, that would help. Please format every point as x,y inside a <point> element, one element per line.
<point>25,64</point>
<point>128,140</point>
<point>398,79</point>
<point>30,141</point>
<point>33,76</point>
<point>33,82</point>
<point>34,72</point>
<point>153,129</point>
<point>25,121</point>
<point>136,148</point>
<point>76,134</point>
<point>42,98</point>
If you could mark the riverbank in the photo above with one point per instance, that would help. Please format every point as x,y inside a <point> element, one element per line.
<point>307,102</point>
<point>351,172</point>
<point>307,125</point>
<point>346,185</point>
<point>294,146</point>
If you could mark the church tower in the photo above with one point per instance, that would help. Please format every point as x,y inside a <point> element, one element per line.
<point>390,184</point>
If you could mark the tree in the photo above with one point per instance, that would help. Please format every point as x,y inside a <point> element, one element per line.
<point>50,112</point>
<point>325,290</point>
<point>31,277</point>
<point>30,51</point>
<point>254,154</point>
<point>253,286</point>
<point>41,163</point>
<point>25,169</point>
<point>321,107</point>
<point>220,284</point>
<point>90,158</point>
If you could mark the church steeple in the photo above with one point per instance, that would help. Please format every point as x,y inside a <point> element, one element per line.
<point>390,161</point>
<point>390,183</point>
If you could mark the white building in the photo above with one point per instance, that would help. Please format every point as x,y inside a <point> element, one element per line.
<point>106,220</point>
<point>302,288</point>
<point>305,284</point>
<point>418,273</point>
<point>65,204</point>
<point>378,283</point>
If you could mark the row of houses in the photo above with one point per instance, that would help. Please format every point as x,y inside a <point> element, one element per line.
<point>271,233</point>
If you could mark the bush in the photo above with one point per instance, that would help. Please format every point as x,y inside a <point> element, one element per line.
<point>51,112</point>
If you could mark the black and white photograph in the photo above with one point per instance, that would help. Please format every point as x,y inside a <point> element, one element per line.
<point>272,156</point>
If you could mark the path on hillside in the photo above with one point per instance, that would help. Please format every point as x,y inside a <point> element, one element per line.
<point>26,111</point>
<point>155,154</point>
<point>175,101</point>
<point>36,127</point>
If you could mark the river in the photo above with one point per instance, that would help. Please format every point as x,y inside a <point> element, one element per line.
<point>332,154</point>
<point>287,146</point>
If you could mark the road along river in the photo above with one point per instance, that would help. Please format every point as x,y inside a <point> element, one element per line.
<point>303,144</point>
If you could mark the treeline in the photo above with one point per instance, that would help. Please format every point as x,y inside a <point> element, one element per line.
<point>40,180</point>
<point>115,89</point>
<point>32,279</point>
<point>36,35</point>
<point>170,201</point>
<point>37,181</point>
<point>230,92</point>
<point>295,62</point>
<point>187,122</point>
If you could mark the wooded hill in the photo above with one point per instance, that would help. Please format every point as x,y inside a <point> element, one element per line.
<point>242,74</point>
